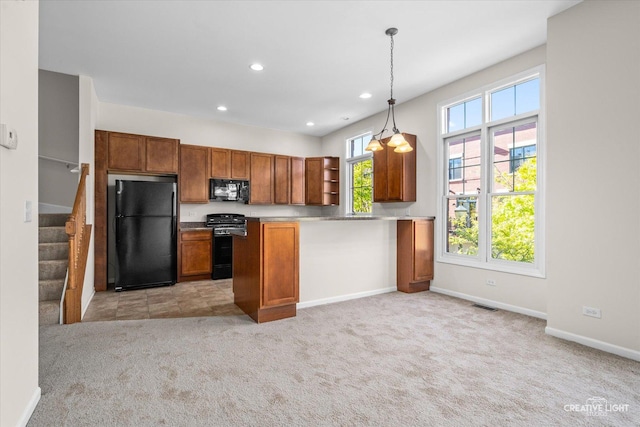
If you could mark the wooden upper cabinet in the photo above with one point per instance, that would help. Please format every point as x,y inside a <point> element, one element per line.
<point>262,179</point>
<point>240,165</point>
<point>194,174</point>
<point>282,179</point>
<point>297,181</point>
<point>394,174</point>
<point>139,153</point>
<point>322,181</point>
<point>161,155</point>
<point>220,162</point>
<point>125,152</point>
<point>229,164</point>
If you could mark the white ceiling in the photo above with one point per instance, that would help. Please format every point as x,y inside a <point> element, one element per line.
<point>191,56</point>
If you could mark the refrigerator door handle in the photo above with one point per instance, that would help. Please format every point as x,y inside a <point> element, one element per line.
<point>173,214</point>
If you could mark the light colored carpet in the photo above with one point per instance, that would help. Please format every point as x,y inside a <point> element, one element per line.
<point>389,360</point>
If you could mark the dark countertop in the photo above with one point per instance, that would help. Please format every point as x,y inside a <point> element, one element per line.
<point>335,218</point>
<point>192,226</point>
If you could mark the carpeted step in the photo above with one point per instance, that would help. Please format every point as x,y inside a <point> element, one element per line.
<point>51,251</point>
<point>52,220</point>
<point>52,235</point>
<point>50,289</point>
<point>52,269</point>
<point>49,312</point>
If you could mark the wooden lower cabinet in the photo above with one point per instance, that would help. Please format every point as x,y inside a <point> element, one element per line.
<point>414,255</point>
<point>194,258</point>
<point>266,270</point>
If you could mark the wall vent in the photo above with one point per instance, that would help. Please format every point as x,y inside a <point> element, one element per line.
<point>484,307</point>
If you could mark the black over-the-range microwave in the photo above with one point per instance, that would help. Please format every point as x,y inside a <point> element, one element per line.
<point>229,190</point>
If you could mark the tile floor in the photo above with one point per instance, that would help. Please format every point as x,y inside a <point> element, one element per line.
<point>186,299</point>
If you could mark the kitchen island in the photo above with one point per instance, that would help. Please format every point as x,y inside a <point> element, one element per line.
<point>284,263</point>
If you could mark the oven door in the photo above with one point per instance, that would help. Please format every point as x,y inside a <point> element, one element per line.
<point>222,257</point>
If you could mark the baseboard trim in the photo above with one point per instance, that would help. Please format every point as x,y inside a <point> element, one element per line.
<point>597,344</point>
<point>28,411</point>
<point>490,303</point>
<point>340,298</point>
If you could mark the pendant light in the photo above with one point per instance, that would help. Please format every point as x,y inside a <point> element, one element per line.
<point>397,141</point>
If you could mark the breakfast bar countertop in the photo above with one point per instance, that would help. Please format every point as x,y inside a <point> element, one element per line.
<point>335,218</point>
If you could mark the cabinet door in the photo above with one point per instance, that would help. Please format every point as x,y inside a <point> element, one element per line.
<point>297,181</point>
<point>282,179</point>
<point>422,250</point>
<point>314,182</point>
<point>195,253</point>
<point>194,174</point>
<point>395,163</point>
<point>380,175</point>
<point>161,155</point>
<point>394,174</point>
<point>125,152</point>
<point>220,163</point>
<point>280,261</point>
<point>261,179</point>
<point>240,165</point>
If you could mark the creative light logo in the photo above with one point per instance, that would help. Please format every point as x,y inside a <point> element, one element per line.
<point>597,407</point>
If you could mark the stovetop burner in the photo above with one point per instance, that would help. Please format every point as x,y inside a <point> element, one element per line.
<point>225,220</point>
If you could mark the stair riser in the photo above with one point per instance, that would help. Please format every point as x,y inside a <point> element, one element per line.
<point>52,235</point>
<point>53,251</point>
<point>50,290</point>
<point>49,313</point>
<point>52,270</point>
<point>52,220</point>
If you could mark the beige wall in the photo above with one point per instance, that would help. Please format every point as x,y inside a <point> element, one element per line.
<point>58,115</point>
<point>419,117</point>
<point>19,391</point>
<point>88,115</point>
<point>593,239</point>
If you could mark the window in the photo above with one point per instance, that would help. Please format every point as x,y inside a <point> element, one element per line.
<point>491,173</point>
<point>360,175</point>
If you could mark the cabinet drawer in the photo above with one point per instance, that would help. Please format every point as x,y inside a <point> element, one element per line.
<point>195,235</point>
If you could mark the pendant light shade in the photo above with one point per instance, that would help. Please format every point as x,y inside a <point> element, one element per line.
<point>403,148</point>
<point>397,140</point>
<point>374,145</point>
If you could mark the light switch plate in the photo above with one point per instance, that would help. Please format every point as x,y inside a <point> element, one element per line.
<point>8,137</point>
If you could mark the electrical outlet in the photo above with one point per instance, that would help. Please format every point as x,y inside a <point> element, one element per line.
<point>592,312</point>
<point>192,213</point>
<point>407,212</point>
<point>491,282</point>
<point>254,214</point>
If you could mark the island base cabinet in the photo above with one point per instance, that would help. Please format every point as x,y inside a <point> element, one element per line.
<point>414,255</point>
<point>266,270</point>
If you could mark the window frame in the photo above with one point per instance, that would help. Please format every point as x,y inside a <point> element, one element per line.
<point>350,162</point>
<point>483,259</point>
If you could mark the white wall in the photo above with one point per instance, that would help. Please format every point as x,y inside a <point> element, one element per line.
<point>19,391</point>
<point>419,117</point>
<point>88,115</point>
<point>593,93</point>
<point>213,133</point>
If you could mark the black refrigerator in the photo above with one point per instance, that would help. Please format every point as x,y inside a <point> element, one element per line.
<point>145,227</point>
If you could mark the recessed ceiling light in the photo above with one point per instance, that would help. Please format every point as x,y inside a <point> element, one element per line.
<point>365,95</point>
<point>310,124</point>
<point>222,108</point>
<point>256,67</point>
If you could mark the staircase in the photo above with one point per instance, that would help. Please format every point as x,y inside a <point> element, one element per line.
<point>53,260</point>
